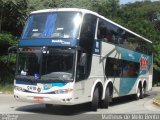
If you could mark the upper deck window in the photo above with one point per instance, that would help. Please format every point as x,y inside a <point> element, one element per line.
<point>53,25</point>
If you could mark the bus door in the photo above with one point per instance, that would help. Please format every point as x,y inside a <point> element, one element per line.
<point>84,62</point>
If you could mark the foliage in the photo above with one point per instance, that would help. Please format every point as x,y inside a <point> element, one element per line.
<point>7,88</point>
<point>104,7</point>
<point>157,100</point>
<point>6,70</point>
<point>13,14</point>
<point>6,40</point>
<point>39,4</point>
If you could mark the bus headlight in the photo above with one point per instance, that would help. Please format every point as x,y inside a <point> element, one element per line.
<point>63,91</point>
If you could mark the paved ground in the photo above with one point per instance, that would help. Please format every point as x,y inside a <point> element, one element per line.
<point>124,105</point>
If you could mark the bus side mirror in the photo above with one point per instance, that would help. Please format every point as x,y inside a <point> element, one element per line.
<point>11,50</point>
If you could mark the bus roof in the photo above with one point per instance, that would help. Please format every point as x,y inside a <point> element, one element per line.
<point>91,12</point>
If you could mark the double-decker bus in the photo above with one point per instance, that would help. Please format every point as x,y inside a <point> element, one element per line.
<point>70,56</point>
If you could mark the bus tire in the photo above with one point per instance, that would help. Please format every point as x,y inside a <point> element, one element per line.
<point>138,93</point>
<point>143,92</point>
<point>105,102</point>
<point>95,100</point>
<point>49,106</point>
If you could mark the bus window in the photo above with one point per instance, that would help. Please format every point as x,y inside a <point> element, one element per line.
<point>109,32</point>
<point>103,31</point>
<point>87,36</point>
<point>88,32</point>
<point>121,68</point>
<point>130,69</point>
<point>113,67</point>
<point>88,26</point>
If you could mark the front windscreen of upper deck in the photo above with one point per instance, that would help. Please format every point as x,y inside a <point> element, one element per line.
<point>53,28</point>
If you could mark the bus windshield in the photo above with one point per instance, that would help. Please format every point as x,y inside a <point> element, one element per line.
<point>58,63</point>
<point>52,64</point>
<point>28,63</point>
<point>52,25</point>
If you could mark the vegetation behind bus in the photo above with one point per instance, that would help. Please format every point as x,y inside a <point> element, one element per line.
<point>140,17</point>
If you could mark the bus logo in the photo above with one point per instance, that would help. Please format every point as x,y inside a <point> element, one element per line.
<point>36,76</point>
<point>143,63</point>
<point>38,89</point>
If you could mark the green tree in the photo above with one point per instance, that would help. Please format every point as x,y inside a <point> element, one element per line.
<point>104,7</point>
<point>13,15</point>
<point>12,18</point>
<point>6,70</point>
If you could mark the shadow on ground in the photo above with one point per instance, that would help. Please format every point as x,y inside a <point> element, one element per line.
<point>123,100</point>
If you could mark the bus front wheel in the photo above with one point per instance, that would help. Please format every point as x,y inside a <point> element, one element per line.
<point>95,100</point>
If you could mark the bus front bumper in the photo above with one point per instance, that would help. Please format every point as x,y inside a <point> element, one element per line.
<point>58,99</point>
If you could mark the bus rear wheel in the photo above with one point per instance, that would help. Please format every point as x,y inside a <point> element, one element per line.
<point>138,93</point>
<point>95,100</point>
<point>105,102</point>
<point>143,92</point>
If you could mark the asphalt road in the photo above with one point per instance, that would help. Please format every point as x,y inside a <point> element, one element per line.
<point>30,111</point>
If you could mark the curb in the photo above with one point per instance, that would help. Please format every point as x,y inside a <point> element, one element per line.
<point>156,103</point>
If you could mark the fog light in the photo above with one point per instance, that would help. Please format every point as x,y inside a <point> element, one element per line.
<point>16,97</point>
<point>63,91</point>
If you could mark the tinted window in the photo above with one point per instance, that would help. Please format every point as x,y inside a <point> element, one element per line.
<point>121,68</point>
<point>110,33</point>
<point>88,26</point>
<point>106,31</point>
